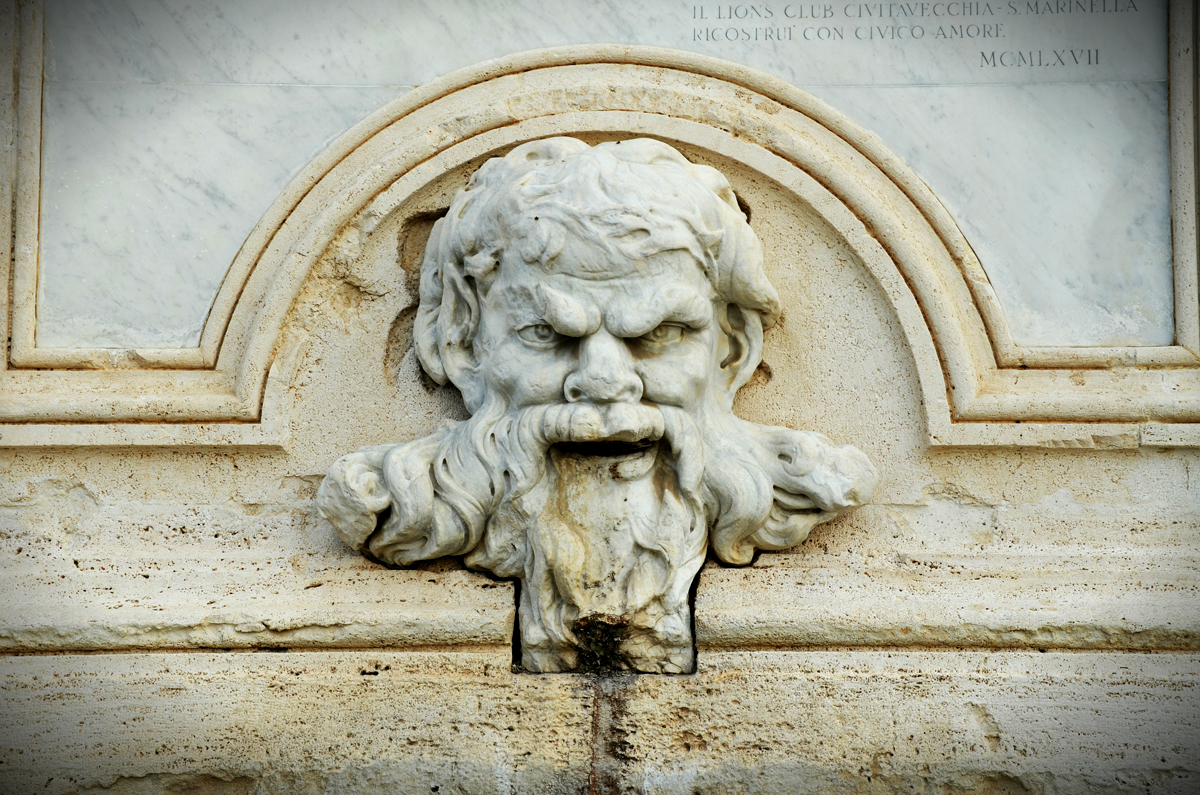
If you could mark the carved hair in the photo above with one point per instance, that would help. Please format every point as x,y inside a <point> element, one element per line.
<point>459,491</point>
<point>759,487</point>
<point>485,487</point>
<point>632,198</point>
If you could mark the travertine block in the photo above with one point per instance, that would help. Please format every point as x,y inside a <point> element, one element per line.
<point>755,722</point>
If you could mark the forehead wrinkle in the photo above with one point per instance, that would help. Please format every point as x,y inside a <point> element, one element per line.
<point>520,300</point>
<point>671,303</point>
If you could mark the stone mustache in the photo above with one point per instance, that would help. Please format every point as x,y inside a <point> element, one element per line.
<point>598,308</point>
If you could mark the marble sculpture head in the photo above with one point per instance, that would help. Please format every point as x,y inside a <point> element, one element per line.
<point>598,308</point>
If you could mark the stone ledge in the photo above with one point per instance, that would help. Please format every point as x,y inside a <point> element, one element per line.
<point>339,609</point>
<point>1071,608</point>
<point>948,604</point>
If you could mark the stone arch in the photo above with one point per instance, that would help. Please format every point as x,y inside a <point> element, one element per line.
<point>885,213</point>
<point>976,388</point>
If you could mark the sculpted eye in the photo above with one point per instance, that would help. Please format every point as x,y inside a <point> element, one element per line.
<point>541,334</point>
<point>664,334</point>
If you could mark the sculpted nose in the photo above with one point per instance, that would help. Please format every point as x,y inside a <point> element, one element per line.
<point>604,372</point>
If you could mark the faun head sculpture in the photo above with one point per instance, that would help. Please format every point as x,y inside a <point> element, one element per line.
<point>598,308</point>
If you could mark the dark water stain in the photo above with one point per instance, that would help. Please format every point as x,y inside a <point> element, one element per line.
<point>611,749</point>
<point>599,638</point>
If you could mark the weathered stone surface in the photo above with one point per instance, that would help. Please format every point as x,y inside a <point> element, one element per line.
<point>956,572</point>
<point>882,722</point>
<point>124,571</point>
<point>795,722</point>
<point>315,722</point>
<point>150,518</point>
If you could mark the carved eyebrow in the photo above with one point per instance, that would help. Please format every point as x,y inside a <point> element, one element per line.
<point>674,303</point>
<point>565,314</point>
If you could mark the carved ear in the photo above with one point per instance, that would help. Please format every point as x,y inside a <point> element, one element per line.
<point>744,333</point>
<point>447,320</point>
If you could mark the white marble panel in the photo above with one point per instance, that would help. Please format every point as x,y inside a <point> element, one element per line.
<point>408,43</point>
<point>169,126</point>
<point>1063,191</point>
<point>148,192</point>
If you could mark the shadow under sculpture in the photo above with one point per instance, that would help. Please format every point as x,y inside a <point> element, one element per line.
<point>598,307</point>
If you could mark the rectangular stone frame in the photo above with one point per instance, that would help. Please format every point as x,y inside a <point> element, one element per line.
<point>207,408</point>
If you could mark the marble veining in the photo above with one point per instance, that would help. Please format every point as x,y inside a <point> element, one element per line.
<point>1062,190</point>
<point>169,127</point>
<point>373,42</point>
<point>148,191</point>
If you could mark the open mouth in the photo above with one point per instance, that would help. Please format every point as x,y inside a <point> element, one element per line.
<point>604,448</point>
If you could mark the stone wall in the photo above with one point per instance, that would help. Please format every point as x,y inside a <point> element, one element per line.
<point>1015,611</point>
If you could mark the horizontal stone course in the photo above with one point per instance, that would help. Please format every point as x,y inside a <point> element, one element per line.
<point>819,722</point>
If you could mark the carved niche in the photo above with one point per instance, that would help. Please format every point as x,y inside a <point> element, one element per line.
<point>598,307</point>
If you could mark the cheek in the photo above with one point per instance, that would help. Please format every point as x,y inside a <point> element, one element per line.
<point>524,375</point>
<point>680,376</point>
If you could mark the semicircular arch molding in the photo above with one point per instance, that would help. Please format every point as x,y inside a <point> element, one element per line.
<point>895,225</point>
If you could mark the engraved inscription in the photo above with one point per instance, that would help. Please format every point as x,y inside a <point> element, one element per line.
<point>1074,37</point>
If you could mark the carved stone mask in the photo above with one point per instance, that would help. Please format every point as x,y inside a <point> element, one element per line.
<point>598,308</point>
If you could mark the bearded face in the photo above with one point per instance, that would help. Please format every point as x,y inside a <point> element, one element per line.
<point>599,348</point>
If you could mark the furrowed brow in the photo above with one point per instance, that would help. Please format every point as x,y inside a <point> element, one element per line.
<point>521,303</point>
<point>565,314</point>
<point>674,303</point>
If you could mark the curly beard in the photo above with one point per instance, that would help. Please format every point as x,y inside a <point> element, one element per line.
<point>603,512</point>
